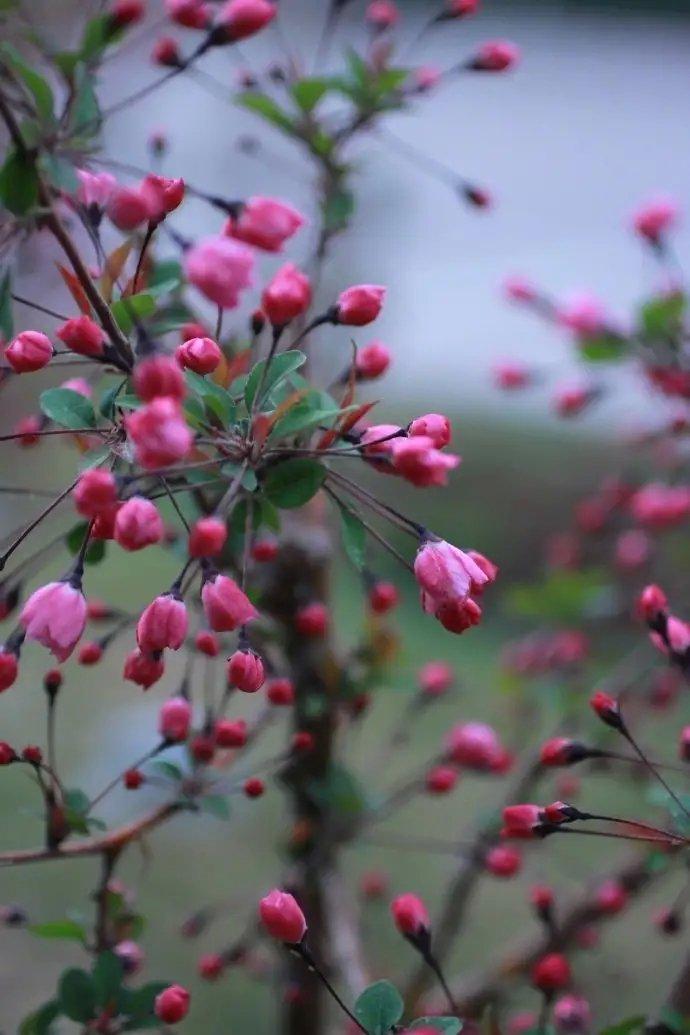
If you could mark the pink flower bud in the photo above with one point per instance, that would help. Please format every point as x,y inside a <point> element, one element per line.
<point>584,315</point>
<point>175,719</point>
<point>286,296</point>
<point>202,355</point>
<point>611,897</point>
<point>79,385</point>
<point>225,605</point>
<point>207,537</point>
<point>265,223</point>
<point>410,915</point>
<point>161,196</point>
<point>383,597</point>
<point>264,549</point>
<point>172,1004</point>
<point>435,678</point>
<point>207,643</point>
<point>551,973</point>
<point>562,751</point>
<point>420,463</point>
<point>246,671</point>
<point>474,745</point>
<point>220,268</point>
<point>90,653</point>
<point>571,399</point>
<point>282,917</point>
<point>281,692</point>
<point>158,376</point>
<point>162,624</point>
<point>130,954</point>
<point>462,8</point>
<point>441,779</point>
<point>571,1015</point>
<point>94,189</point>
<point>312,620</point>
<point>652,603</point>
<point>655,218</point>
<point>511,375</point>
<point>9,667</point>
<point>606,707</point>
<point>359,305</point>
<point>191,14</point>
<point>521,821</point>
<point>159,433</point>
<point>127,12</point>
<point>211,966</point>
<point>426,78</point>
<point>503,861</point>
<point>372,361</point>
<point>446,573</point>
<point>684,746</point>
<point>82,335</point>
<point>95,492</point>
<point>143,669</point>
<point>138,524</point>
<point>434,426</point>
<point>230,733</point>
<point>382,14</point>
<point>254,787</point>
<point>127,208</point>
<point>29,351</point>
<point>28,428</point>
<point>55,615</point>
<point>519,289</point>
<point>243,18</point>
<point>166,52</point>
<point>495,56</point>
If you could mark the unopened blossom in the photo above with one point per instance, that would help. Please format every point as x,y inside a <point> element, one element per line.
<point>79,385</point>
<point>511,375</point>
<point>29,351</point>
<point>410,915</point>
<point>159,432</point>
<point>457,616</point>
<point>418,461</point>
<point>675,639</point>
<point>55,615</point>
<point>265,549</point>
<point>495,56</point>
<point>126,12</point>
<point>202,355</point>
<point>359,305</point>
<point>447,573</point>
<point>572,1015</point>
<point>383,597</point>
<point>246,671</point>
<point>127,208</point>
<point>162,624</point>
<point>221,269</point>
<point>435,426</point>
<point>172,1004</point>
<point>95,491</point>
<point>377,439</point>
<point>265,223</point>
<point>382,14</point>
<point>561,751</point>
<point>426,77</point>
<point>521,821</point>
<point>282,917</point>
<point>583,314</point>
<point>503,861</point>
<point>519,289</point>
<point>95,189</point>
<point>286,296</point>
<point>659,506</point>
<point>280,691</point>
<point>207,537</point>
<point>161,195</point>
<point>240,19</point>
<point>461,8</point>
<point>166,52</point>
<point>372,361</point>
<point>9,668</point>
<point>230,733</point>
<point>441,779</point>
<point>435,678</point>
<point>82,335</point>
<point>157,376</point>
<point>130,953</point>
<point>569,400</point>
<point>611,897</point>
<point>655,218</point>
<point>313,619</point>
<point>191,14</point>
<point>474,745</point>
<point>226,606</point>
<point>551,973</point>
<point>175,719</point>
<point>138,524</point>
<point>632,549</point>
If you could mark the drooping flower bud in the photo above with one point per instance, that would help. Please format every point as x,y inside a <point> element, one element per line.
<point>162,624</point>
<point>138,524</point>
<point>230,733</point>
<point>29,351</point>
<point>9,668</point>
<point>372,361</point>
<point>551,973</point>
<point>246,671</point>
<point>159,433</point>
<point>280,691</point>
<point>55,615</point>
<point>265,223</point>
<point>220,268</point>
<point>312,620</point>
<point>95,492</point>
<point>282,917</point>
<point>503,861</point>
<point>175,719</point>
<point>607,708</point>
<point>207,537</point>
<point>158,376</point>
<point>226,606</point>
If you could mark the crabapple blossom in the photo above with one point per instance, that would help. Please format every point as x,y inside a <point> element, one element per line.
<point>265,223</point>
<point>282,917</point>
<point>221,269</point>
<point>83,336</point>
<point>174,719</point>
<point>202,355</point>
<point>226,606</point>
<point>55,616</point>
<point>29,351</point>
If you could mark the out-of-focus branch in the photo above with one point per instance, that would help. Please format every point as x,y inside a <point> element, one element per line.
<point>473,994</point>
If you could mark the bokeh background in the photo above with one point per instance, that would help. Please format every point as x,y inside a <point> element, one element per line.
<point>593,121</point>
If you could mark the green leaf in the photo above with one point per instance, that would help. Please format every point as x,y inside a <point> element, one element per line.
<point>339,209</point>
<point>133,308</point>
<point>379,1007</point>
<point>69,930</point>
<point>85,112</point>
<point>61,173</point>
<point>165,276</point>
<point>138,1003</point>
<point>169,769</point>
<point>293,482</point>
<point>96,550</point>
<point>216,805</point>
<point>354,536</point>
<point>626,1027</point>
<point>77,995</point>
<point>267,109</point>
<point>67,408</point>
<point>280,367</point>
<point>35,83</point>
<point>18,183</point>
<point>662,317</point>
<point>107,976</point>
<point>305,414</point>
<point>99,32</point>
<point>603,348</point>
<point>215,398</point>
<point>447,1025</point>
<point>563,596</point>
<point>41,1020</point>
<point>339,790</point>
<point>6,319</point>
<point>308,92</point>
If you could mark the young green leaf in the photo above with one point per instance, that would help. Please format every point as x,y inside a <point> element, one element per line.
<point>67,408</point>
<point>77,995</point>
<point>354,536</point>
<point>280,367</point>
<point>293,482</point>
<point>379,1007</point>
<point>18,183</point>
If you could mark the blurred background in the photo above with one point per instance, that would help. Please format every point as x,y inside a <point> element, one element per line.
<point>592,122</point>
